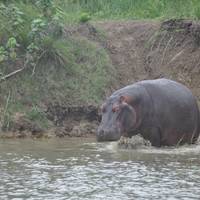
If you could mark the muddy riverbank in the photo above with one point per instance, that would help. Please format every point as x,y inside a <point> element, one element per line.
<point>138,50</point>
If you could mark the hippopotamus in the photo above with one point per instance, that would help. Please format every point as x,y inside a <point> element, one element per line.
<point>163,111</point>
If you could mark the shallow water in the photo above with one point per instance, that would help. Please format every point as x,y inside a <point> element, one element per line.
<point>83,169</point>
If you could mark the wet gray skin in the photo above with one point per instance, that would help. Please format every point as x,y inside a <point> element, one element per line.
<point>117,119</point>
<point>162,111</point>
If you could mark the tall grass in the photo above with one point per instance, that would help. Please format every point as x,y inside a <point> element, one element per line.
<point>132,9</point>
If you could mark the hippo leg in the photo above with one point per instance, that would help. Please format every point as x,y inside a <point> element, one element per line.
<point>155,136</point>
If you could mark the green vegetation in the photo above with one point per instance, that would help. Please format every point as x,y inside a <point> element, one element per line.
<point>84,17</point>
<point>132,9</point>
<point>43,60</point>
<point>55,66</point>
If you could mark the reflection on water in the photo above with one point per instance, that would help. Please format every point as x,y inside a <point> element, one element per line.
<point>83,169</point>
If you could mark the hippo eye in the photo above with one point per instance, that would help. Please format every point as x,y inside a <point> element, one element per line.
<point>115,108</point>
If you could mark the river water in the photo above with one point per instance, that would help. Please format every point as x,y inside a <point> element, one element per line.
<point>76,169</point>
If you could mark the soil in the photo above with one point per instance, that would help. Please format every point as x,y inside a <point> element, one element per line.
<point>139,50</point>
<point>149,50</point>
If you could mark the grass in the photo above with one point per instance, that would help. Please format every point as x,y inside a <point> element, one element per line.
<point>131,9</point>
<point>81,81</point>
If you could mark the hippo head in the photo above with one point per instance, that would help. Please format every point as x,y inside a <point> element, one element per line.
<point>118,118</point>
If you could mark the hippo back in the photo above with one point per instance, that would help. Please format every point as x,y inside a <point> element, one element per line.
<point>175,111</point>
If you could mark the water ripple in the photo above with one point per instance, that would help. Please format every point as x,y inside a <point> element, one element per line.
<point>98,171</point>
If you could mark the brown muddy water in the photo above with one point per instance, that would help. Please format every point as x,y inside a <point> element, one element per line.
<point>83,169</point>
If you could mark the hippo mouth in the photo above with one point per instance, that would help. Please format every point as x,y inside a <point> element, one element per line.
<point>103,136</point>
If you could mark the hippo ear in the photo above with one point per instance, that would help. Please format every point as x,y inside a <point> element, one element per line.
<point>126,99</point>
<point>103,108</point>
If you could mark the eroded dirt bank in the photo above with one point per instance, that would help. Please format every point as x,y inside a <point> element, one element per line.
<point>149,50</point>
<point>139,50</point>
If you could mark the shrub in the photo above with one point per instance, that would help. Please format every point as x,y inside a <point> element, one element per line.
<point>85,17</point>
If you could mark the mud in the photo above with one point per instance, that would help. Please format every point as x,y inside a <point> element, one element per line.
<point>71,121</point>
<point>74,121</point>
<point>148,50</point>
<point>139,50</point>
<point>20,127</point>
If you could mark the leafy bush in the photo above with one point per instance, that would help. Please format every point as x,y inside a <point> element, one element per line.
<point>3,54</point>
<point>26,37</point>
<point>9,51</point>
<point>85,17</point>
<point>11,18</point>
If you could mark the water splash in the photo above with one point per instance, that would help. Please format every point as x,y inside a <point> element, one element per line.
<point>139,144</point>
